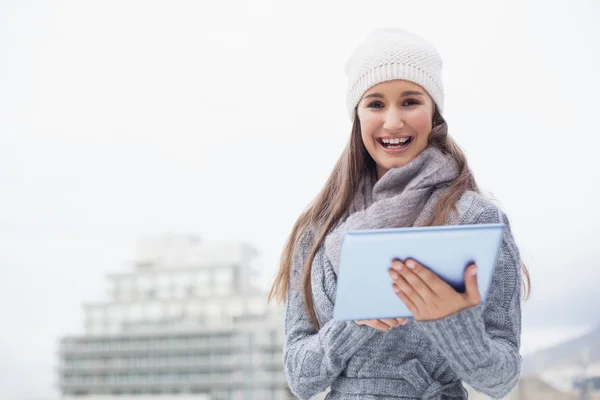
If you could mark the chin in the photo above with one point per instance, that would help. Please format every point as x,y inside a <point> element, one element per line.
<point>397,162</point>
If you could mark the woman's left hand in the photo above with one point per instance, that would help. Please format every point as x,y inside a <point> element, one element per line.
<point>427,296</point>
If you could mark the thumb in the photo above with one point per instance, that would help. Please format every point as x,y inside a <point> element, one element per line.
<point>472,290</point>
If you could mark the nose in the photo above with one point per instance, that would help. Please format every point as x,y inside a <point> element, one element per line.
<point>394,120</point>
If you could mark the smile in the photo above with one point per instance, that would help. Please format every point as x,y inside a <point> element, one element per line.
<point>395,145</point>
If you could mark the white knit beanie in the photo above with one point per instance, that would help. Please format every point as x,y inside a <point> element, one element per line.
<point>388,54</point>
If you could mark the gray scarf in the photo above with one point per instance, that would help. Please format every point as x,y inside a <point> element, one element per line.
<point>403,197</point>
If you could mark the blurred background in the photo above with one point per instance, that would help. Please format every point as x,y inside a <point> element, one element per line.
<point>154,156</point>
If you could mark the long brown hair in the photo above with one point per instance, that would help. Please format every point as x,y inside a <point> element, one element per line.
<point>334,200</point>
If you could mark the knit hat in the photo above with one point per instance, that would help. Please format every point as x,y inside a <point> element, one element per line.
<point>388,54</point>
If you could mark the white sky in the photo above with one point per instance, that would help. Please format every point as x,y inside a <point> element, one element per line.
<point>121,118</point>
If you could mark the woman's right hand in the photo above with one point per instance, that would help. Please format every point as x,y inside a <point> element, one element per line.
<point>383,324</point>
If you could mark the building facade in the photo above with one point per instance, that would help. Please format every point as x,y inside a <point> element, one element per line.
<point>186,322</point>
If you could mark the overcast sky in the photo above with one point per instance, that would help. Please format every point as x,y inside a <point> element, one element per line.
<point>123,118</point>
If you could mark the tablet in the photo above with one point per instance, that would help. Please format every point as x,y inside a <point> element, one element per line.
<point>364,287</point>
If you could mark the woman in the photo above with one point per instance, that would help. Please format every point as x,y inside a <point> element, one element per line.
<point>400,168</point>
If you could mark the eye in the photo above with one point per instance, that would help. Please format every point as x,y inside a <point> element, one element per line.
<point>410,102</point>
<point>375,104</point>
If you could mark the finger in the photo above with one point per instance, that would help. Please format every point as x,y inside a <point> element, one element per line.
<point>402,321</point>
<point>472,290</point>
<point>406,300</point>
<point>405,287</point>
<point>373,323</point>
<point>416,282</point>
<point>377,324</point>
<point>391,322</point>
<point>435,284</point>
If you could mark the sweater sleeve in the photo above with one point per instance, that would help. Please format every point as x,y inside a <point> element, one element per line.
<point>482,343</point>
<point>313,358</point>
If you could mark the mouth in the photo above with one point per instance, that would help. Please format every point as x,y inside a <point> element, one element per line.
<point>394,145</point>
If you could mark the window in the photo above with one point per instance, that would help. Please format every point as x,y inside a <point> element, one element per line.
<point>115,313</point>
<point>96,313</point>
<point>91,328</point>
<point>136,312</point>
<point>154,311</point>
<point>114,327</point>
<point>145,282</point>
<point>163,292</point>
<point>222,281</point>
<point>163,283</point>
<point>151,293</point>
<point>181,282</point>
<point>223,276</point>
<point>190,291</point>
<point>213,310</point>
<point>201,280</point>
<point>125,286</point>
<point>234,308</point>
<point>195,309</point>
<point>174,310</point>
<point>221,290</point>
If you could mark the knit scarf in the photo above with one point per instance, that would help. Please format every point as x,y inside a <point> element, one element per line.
<point>402,197</point>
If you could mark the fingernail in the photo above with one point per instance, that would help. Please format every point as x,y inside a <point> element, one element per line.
<point>397,265</point>
<point>404,322</point>
<point>394,275</point>
<point>411,264</point>
<point>396,289</point>
<point>474,271</point>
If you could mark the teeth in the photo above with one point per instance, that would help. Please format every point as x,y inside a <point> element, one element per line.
<point>394,141</point>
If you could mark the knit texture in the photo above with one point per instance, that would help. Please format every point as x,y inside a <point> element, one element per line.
<point>388,54</point>
<point>421,360</point>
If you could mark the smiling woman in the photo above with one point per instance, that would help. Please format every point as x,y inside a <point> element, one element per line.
<point>400,168</point>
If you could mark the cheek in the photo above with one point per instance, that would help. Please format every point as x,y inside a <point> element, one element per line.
<point>368,127</point>
<point>421,123</point>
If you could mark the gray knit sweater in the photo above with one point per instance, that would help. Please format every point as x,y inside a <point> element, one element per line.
<point>420,360</point>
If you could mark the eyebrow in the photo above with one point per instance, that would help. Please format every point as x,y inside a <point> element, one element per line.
<point>403,94</point>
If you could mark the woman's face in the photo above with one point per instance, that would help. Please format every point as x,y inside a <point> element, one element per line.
<point>395,123</point>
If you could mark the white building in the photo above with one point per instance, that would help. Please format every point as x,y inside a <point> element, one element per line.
<point>186,323</point>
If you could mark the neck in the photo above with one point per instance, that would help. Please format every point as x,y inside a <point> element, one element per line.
<point>428,167</point>
<point>380,172</point>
